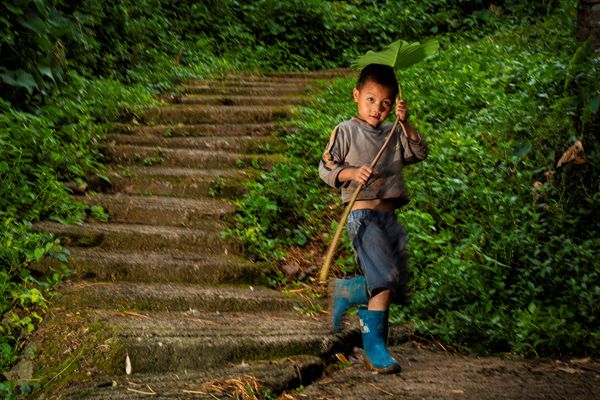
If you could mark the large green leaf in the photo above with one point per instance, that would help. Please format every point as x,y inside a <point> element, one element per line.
<point>19,78</point>
<point>399,54</point>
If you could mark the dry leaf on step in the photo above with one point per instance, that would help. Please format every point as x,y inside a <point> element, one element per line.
<point>127,365</point>
<point>574,154</point>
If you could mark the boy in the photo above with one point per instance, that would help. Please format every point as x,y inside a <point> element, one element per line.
<point>378,239</point>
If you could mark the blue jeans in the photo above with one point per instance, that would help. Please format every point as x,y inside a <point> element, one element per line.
<point>380,245</point>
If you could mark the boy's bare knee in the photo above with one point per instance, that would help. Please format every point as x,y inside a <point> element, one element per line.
<point>381,300</point>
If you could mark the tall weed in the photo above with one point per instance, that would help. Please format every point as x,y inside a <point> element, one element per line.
<point>498,264</point>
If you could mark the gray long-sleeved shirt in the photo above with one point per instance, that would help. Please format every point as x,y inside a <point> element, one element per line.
<point>355,143</point>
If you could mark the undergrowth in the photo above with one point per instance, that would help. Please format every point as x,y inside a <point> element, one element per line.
<point>498,264</point>
<point>491,265</point>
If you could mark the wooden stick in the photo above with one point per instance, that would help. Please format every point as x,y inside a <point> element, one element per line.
<point>338,231</point>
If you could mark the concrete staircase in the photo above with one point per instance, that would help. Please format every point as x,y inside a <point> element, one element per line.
<point>157,287</point>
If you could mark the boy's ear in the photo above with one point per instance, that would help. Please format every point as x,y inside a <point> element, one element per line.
<point>355,94</point>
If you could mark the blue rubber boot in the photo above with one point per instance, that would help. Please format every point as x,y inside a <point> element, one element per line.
<point>374,326</point>
<point>346,293</point>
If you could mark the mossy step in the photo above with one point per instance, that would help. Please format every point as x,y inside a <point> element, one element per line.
<point>146,155</point>
<point>194,114</point>
<point>257,78</point>
<point>298,77</point>
<point>237,90</point>
<point>242,144</point>
<point>141,296</point>
<point>176,182</point>
<point>320,74</point>
<point>161,267</point>
<point>276,376</point>
<point>176,130</point>
<point>135,237</point>
<point>160,210</point>
<point>234,100</point>
<point>241,81</point>
<point>195,340</point>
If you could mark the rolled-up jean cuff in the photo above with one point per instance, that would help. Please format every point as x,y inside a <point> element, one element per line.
<point>379,242</point>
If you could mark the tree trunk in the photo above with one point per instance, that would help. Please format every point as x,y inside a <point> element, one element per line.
<point>588,22</point>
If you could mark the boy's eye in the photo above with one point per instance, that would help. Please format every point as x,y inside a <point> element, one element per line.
<point>387,103</point>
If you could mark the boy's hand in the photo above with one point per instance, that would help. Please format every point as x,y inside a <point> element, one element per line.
<point>362,174</point>
<point>401,110</point>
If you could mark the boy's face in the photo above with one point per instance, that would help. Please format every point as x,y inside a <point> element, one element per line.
<point>374,101</point>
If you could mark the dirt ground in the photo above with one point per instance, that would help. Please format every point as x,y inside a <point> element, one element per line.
<point>434,374</point>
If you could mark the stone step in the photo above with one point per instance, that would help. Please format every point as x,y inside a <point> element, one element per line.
<point>134,237</point>
<point>233,100</point>
<point>274,90</point>
<point>141,296</point>
<point>240,144</point>
<point>236,130</point>
<point>159,210</point>
<point>194,340</point>
<point>257,79</point>
<point>276,376</point>
<point>145,155</point>
<point>176,182</point>
<point>298,78</point>
<point>195,114</point>
<point>317,75</point>
<point>159,267</point>
<point>241,81</point>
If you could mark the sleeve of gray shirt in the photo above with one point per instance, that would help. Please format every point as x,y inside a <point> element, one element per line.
<point>332,162</point>
<point>413,151</point>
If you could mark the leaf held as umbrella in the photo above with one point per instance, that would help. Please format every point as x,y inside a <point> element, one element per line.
<point>399,54</point>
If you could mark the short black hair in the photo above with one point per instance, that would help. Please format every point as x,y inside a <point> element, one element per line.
<point>378,73</point>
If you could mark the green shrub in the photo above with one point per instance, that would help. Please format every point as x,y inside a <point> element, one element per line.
<point>497,265</point>
<point>37,153</point>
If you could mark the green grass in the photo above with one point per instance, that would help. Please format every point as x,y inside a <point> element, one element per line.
<point>496,266</point>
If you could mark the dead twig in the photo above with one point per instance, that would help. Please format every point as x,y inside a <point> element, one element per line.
<point>380,389</point>
<point>134,314</point>
<point>152,393</point>
<point>245,387</point>
<point>193,391</point>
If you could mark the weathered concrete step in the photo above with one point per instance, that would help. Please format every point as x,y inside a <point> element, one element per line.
<point>194,114</point>
<point>321,74</point>
<point>159,267</point>
<point>298,78</point>
<point>140,296</point>
<point>275,90</point>
<point>241,100</point>
<point>141,237</point>
<point>251,129</point>
<point>258,80</point>
<point>193,340</point>
<point>276,376</point>
<point>240,144</point>
<point>159,210</point>
<point>241,81</point>
<point>145,155</point>
<point>177,182</point>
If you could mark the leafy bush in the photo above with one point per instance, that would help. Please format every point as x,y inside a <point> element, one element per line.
<point>37,153</point>
<point>31,49</point>
<point>139,41</point>
<point>498,265</point>
<point>62,73</point>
